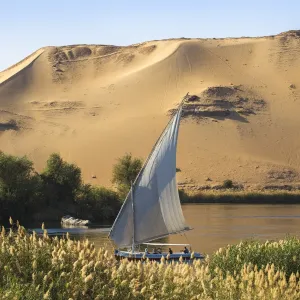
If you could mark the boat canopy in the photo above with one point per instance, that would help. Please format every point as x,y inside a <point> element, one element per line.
<point>161,244</point>
<point>152,207</point>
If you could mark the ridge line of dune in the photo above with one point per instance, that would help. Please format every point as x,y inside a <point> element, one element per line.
<point>178,45</point>
<point>156,62</point>
<point>21,61</point>
<point>15,114</point>
<point>90,58</point>
<point>20,66</point>
<point>111,54</point>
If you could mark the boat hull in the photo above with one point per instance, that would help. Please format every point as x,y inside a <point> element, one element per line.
<point>70,221</point>
<point>141,256</point>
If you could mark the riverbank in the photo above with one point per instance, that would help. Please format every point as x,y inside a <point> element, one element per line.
<point>241,197</point>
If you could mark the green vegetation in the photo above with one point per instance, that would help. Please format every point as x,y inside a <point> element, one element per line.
<point>240,196</point>
<point>283,255</point>
<point>125,172</point>
<point>62,180</point>
<point>228,184</point>
<point>21,188</point>
<point>34,267</point>
<point>24,192</point>
<point>87,198</point>
<point>59,189</point>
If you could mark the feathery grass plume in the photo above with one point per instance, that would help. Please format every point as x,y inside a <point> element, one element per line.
<point>33,267</point>
<point>3,232</point>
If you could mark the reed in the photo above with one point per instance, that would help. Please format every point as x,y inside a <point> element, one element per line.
<point>33,267</point>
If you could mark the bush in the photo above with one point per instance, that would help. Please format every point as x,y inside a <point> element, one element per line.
<point>124,173</point>
<point>228,184</point>
<point>184,198</point>
<point>97,203</point>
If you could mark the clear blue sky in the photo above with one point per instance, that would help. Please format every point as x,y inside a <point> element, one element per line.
<point>27,25</point>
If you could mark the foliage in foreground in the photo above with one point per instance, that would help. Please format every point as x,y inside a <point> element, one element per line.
<point>284,255</point>
<point>34,267</point>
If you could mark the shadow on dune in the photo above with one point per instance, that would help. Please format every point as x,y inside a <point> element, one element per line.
<point>217,113</point>
<point>220,115</point>
<point>11,125</point>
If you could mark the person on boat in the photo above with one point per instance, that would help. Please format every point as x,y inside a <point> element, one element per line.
<point>186,251</point>
<point>170,251</point>
<point>159,250</point>
<point>154,251</point>
<point>146,251</point>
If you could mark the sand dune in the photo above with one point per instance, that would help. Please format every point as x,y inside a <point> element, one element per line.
<point>93,103</point>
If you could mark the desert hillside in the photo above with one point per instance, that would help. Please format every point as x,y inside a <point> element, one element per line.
<point>93,103</point>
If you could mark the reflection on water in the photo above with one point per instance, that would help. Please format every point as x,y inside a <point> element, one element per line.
<point>96,235</point>
<point>214,225</point>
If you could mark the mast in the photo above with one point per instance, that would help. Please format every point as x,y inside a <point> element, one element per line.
<point>133,237</point>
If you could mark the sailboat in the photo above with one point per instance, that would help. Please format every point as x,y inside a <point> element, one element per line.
<point>152,208</point>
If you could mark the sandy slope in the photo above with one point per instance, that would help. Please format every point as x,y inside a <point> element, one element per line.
<point>93,103</point>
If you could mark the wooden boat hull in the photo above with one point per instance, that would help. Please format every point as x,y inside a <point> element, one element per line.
<point>141,256</point>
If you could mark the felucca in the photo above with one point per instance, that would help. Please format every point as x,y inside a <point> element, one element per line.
<point>152,208</point>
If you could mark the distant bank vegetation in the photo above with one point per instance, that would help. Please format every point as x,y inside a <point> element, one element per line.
<point>231,195</point>
<point>59,189</point>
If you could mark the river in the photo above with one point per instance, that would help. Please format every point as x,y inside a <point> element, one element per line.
<point>214,225</point>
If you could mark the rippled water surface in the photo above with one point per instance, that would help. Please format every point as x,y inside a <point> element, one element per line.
<point>214,225</point>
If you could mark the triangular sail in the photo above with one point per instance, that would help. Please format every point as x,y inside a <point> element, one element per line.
<point>156,206</point>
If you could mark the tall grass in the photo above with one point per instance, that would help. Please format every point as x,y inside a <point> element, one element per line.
<point>284,255</point>
<point>33,267</point>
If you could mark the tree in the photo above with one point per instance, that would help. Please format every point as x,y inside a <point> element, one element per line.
<point>14,171</point>
<point>20,186</point>
<point>124,172</point>
<point>23,191</point>
<point>228,184</point>
<point>61,178</point>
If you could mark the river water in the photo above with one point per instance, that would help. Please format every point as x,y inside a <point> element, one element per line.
<point>214,225</point>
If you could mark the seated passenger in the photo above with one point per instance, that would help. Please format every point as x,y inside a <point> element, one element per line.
<point>186,250</point>
<point>146,251</point>
<point>170,251</point>
<point>159,250</point>
<point>154,251</point>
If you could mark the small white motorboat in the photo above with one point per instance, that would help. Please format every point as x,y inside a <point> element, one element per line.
<point>70,221</point>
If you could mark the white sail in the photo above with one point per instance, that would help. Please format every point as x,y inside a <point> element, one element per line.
<point>156,204</point>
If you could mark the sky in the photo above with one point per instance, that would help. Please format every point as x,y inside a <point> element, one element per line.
<point>26,25</point>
